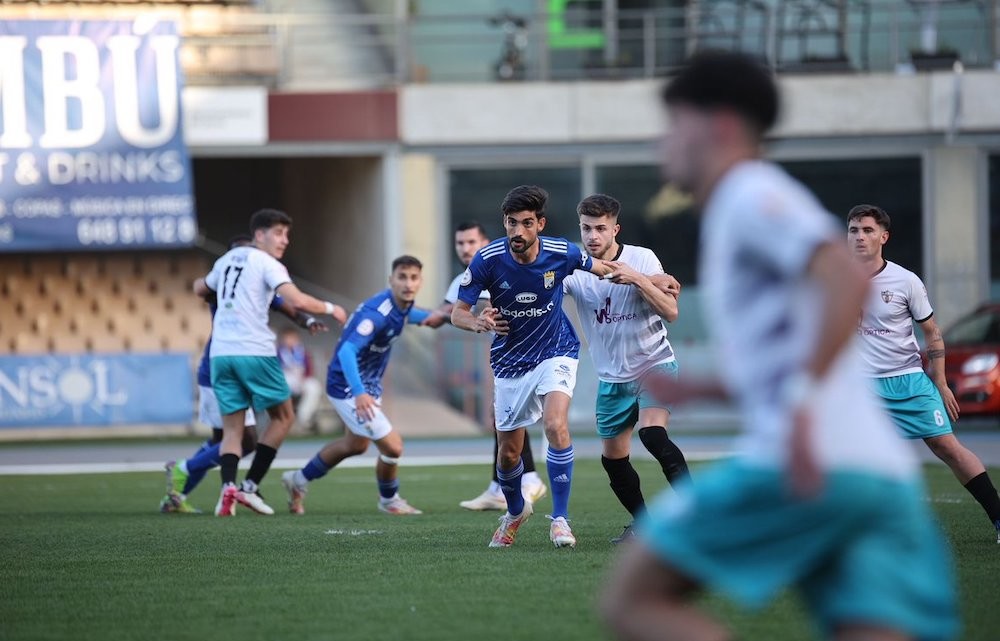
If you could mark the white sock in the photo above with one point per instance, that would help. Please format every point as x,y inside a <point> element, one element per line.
<point>300,480</point>
<point>183,465</point>
<point>494,489</point>
<point>249,486</point>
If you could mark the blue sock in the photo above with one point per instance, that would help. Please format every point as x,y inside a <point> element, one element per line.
<point>195,478</point>
<point>510,483</point>
<point>560,466</point>
<point>388,489</point>
<point>199,465</point>
<point>315,469</point>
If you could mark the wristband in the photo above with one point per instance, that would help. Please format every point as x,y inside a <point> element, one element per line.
<point>329,308</point>
<point>797,389</point>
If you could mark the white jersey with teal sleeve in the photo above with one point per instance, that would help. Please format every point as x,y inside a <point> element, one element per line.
<point>760,231</point>
<point>888,346</point>
<point>625,336</point>
<point>244,280</point>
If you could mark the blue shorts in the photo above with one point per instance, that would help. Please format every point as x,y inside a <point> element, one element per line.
<point>618,404</point>
<point>865,550</point>
<point>242,382</point>
<point>914,405</point>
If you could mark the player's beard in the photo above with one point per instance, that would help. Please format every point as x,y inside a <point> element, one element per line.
<point>524,245</point>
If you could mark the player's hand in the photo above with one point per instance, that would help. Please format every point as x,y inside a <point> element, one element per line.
<point>804,475</point>
<point>339,314</point>
<point>316,327</point>
<point>950,403</point>
<point>364,405</point>
<point>673,285</point>
<point>435,319</point>
<point>624,275</point>
<point>486,321</point>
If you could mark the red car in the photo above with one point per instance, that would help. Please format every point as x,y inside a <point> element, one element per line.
<point>972,361</point>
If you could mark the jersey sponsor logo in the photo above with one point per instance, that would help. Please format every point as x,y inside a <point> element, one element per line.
<point>526,297</point>
<point>874,331</point>
<point>604,315</point>
<point>466,278</point>
<point>549,279</point>
<point>887,296</point>
<point>365,327</point>
<point>531,312</point>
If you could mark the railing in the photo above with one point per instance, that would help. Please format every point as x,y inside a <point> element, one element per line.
<point>234,44</point>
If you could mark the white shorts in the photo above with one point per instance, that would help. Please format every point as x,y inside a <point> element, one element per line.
<point>376,429</point>
<point>208,410</point>
<point>517,402</point>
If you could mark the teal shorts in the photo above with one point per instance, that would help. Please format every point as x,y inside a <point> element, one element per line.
<point>242,382</point>
<point>866,549</point>
<point>914,404</point>
<point>618,404</point>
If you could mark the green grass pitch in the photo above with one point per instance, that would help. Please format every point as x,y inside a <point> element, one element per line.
<point>89,557</point>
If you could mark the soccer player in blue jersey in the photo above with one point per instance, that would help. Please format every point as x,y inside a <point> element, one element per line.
<point>535,351</point>
<point>354,385</point>
<point>184,475</point>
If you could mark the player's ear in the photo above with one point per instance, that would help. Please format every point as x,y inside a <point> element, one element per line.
<point>541,222</point>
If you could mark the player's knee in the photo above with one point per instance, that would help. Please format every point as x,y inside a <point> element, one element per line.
<point>507,458</point>
<point>390,459</point>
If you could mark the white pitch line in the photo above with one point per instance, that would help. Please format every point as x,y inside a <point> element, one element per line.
<point>40,469</point>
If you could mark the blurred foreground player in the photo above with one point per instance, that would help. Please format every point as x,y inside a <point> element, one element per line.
<point>245,368</point>
<point>354,385</point>
<point>824,495</point>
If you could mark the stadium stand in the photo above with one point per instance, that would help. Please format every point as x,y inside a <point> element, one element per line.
<point>111,303</point>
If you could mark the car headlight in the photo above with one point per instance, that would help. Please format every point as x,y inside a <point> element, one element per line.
<point>980,364</point>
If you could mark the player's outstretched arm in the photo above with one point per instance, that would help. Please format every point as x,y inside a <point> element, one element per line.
<point>844,288</point>
<point>601,267</point>
<point>666,284</point>
<point>306,303</point>
<point>935,358</point>
<point>440,316</point>
<point>302,319</point>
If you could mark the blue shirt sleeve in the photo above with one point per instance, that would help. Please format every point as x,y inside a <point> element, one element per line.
<point>277,302</point>
<point>348,357</point>
<point>577,259</point>
<point>359,333</point>
<point>474,280</point>
<point>417,316</point>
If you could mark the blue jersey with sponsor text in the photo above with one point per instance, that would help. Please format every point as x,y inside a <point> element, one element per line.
<point>529,297</point>
<point>372,328</point>
<point>204,368</point>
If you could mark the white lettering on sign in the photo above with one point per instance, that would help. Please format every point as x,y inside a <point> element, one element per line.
<point>79,54</point>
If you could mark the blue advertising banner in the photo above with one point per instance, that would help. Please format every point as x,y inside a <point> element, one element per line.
<point>43,391</point>
<point>92,154</point>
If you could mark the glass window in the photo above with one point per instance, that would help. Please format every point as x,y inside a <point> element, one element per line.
<point>894,184</point>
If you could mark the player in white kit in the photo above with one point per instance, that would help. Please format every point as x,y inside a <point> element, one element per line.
<point>623,318</point>
<point>823,495</point>
<point>245,368</point>
<point>470,237</point>
<point>919,405</point>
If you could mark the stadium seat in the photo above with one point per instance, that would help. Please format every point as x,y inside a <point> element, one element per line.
<point>143,342</point>
<point>29,343</point>
<point>104,343</point>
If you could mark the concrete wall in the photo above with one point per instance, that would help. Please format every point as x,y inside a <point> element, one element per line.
<point>338,239</point>
<point>603,112</point>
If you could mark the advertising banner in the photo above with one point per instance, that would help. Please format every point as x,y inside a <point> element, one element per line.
<point>92,152</point>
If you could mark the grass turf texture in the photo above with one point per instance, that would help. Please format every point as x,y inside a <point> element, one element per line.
<point>89,557</point>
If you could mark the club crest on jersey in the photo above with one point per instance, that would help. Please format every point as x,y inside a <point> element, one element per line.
<point>887,296</point>
<point>549,279</point>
